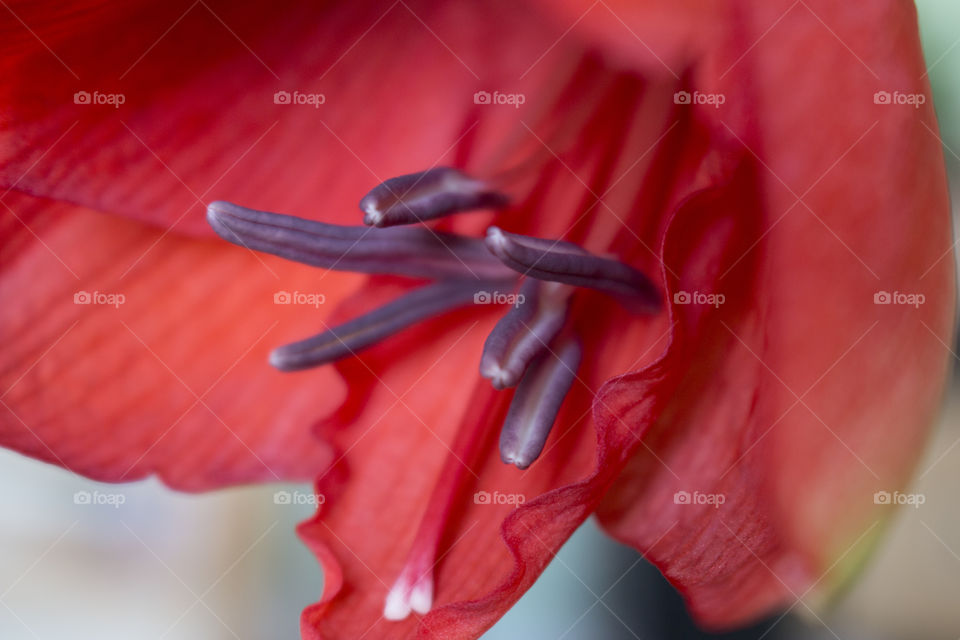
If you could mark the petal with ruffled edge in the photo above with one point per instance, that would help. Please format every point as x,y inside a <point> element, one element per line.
<point>802,397</point>
<point>116,373</point>
<point>198,122</point>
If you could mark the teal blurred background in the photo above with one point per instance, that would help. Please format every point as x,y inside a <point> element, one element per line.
<point>169,566</point>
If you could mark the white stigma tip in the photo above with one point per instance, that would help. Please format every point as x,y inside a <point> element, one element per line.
<point>421,597</point>
<point>397,607</point>
<point>403,598</point>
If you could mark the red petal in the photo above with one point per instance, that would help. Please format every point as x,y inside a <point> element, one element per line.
<point>199,122</point>
<point>174,380</point>
<point>799,398</point>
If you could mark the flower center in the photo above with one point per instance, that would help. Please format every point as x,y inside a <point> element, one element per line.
<point>532,348</point>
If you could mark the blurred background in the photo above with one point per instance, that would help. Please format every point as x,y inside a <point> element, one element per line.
<point>80,559</point>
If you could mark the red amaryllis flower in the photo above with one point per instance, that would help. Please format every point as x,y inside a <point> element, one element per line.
<point>729,227</point>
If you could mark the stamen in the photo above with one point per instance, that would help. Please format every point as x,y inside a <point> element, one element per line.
<point>559,261</point>
<point>536,403</point>
<point>417,252</point>
<point>370,328</point>
<point>524,332</point>
<point>427,195</point>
